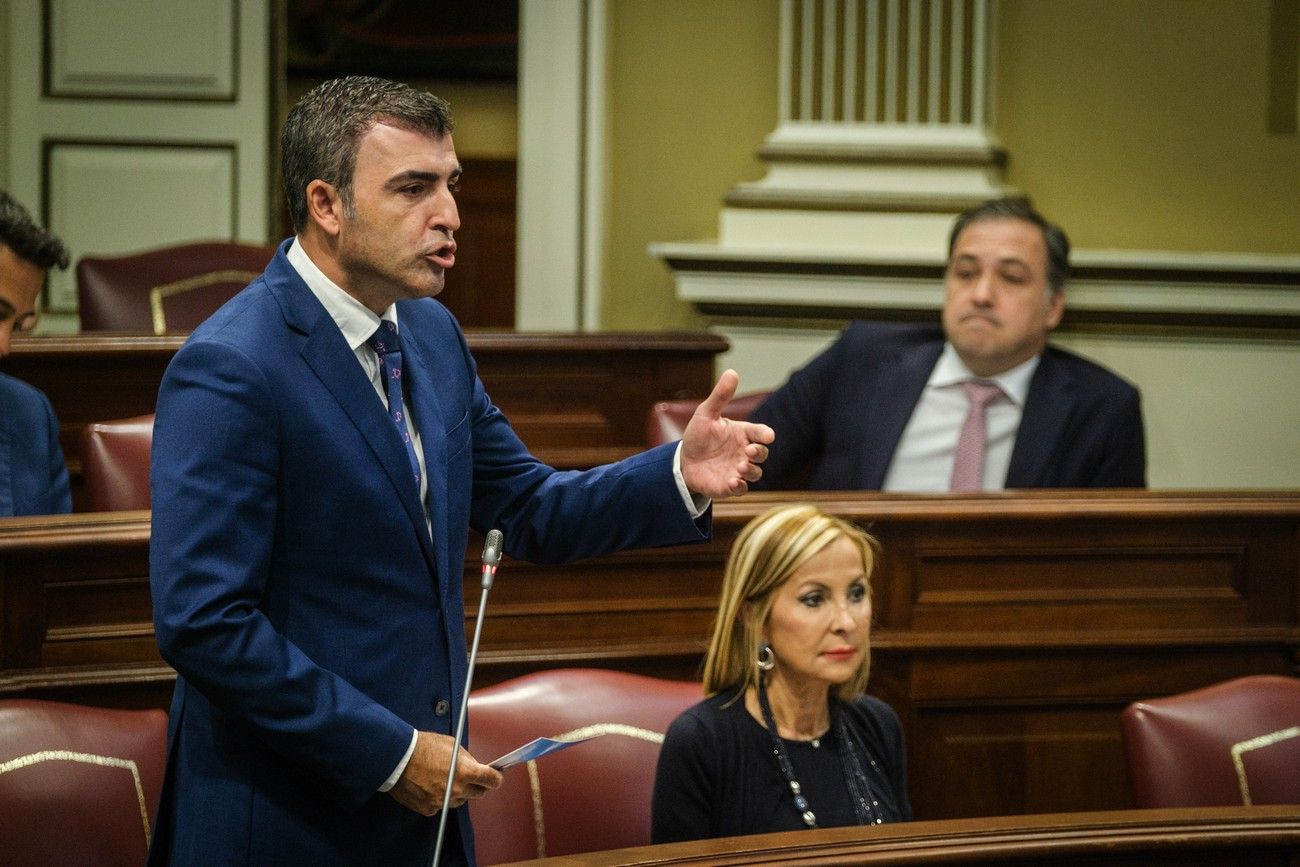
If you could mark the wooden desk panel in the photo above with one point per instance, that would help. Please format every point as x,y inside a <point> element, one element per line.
<point>1222,837</point>
<point>1008,670</point>
<point>577,400</point>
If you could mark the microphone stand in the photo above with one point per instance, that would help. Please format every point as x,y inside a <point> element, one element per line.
<point>491,558</point>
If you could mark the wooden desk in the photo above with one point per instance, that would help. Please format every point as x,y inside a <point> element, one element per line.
<point>1221,836</point>
<point>1010,632</point>
<point>576,400</point>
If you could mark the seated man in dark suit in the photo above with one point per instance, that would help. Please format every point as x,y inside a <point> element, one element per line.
<point>984,404</point>
<point>33,478</point>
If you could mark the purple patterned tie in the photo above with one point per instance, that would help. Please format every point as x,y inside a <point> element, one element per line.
<point>384,343</point>
<point>968,460</point>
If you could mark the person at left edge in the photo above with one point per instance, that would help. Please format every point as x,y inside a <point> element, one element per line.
<point>33,476</point>
<point>306,563</point>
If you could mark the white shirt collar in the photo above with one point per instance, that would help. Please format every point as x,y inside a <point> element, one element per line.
<point>354,319</point>
<point>951,370</point>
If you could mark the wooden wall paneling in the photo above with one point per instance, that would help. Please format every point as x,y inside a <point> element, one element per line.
<point>591,391</point>
<point>480,290</point>
<point>1201,837</point>
<point>575,400</point>
<point>77,619</point>
<point>1009,687</point>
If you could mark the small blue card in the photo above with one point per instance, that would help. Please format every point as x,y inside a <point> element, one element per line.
<point>534,750</point>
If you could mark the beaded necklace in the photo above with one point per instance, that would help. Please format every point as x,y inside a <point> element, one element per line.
<point>866,809</point>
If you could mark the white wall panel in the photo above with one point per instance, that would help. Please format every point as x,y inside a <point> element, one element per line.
<point>177,194</point>
<point>100,48</point>
<point>1220,413</point>
<point>182,87</point>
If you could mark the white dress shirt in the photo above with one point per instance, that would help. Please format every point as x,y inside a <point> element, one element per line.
<point>924,457</point>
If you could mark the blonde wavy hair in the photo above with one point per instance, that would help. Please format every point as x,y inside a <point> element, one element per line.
<point>765,554</point>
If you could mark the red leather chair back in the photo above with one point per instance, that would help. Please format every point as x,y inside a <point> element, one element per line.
<point>1229,744</point>
<point>667,419</point>
<point>590,797</point>
<point>168,289</point>
<point>78,785</point>
<point>115,463</point>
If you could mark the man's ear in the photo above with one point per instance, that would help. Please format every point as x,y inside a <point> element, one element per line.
<point>1055,308</point>
<point>324,206</point>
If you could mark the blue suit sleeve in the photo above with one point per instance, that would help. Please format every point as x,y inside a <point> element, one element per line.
<point>216,452</point>
<point>59,499</point>
<point>551,516</point>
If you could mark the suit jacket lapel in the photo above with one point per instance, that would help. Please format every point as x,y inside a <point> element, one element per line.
<point>890,401</point>
<point>426,408</point>
<point>1047,408</point>
<point>326,352</point>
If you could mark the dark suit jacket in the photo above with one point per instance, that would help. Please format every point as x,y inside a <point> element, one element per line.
<point>838,420</point>
<point>297,592</point>
<point>33,477</point>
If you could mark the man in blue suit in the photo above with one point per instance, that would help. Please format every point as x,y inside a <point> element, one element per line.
<point>312,496</point>
<point>33,477</point>
<point>885,406</point>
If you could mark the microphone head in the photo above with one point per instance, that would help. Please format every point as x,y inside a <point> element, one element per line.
<point>492,548</point>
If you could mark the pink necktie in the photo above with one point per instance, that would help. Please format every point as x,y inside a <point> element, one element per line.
<point>968,462</point>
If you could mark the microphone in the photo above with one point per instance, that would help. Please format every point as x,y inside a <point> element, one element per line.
<point>491,559</point>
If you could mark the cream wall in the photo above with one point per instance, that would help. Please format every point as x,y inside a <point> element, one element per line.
<point>691,94</point>
<point>4,96</point>
<point>1142,125</point>
<point>1213,418</point>
<point>1139,126</point>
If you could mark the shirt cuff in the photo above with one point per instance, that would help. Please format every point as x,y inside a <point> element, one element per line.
<point>696,504</point>
<point>401,766</point>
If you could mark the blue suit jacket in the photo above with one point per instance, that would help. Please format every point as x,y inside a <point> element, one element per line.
<point>33,477</point>
<point>297,591</point>
<point>839,420</point>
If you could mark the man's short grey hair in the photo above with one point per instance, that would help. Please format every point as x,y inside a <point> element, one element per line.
<point>324,130</point>
<point>1020,208</point>
<point>30,242</point>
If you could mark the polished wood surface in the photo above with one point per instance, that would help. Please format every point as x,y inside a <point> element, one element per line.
<point>1010,630</point>
<point>1220,836</point>
<point>576,400</point>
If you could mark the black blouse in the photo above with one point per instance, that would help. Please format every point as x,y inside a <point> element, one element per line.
<point>717,776</point>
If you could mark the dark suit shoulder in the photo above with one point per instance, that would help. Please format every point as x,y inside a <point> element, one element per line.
<point>1088,375</point>
<point>19,396</point>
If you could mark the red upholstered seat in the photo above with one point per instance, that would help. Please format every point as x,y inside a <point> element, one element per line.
<point>78,785</point>
<point>115,463</point>
<point>590,797</point>
<point>168,289</point>
<point>667,419</point>
<point>1229,744</point>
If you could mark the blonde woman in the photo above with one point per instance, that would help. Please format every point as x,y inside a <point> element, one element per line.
<point>786,739</point>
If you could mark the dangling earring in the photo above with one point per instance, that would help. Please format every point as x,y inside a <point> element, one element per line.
<point>766,658</point>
